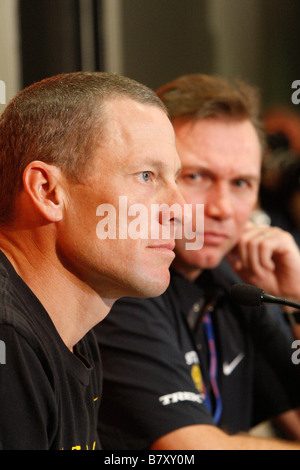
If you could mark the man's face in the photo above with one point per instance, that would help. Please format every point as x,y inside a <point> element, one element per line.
<point>136,160</point>
<point>221,169</point>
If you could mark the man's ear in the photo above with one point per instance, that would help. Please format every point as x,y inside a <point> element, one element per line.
<point>42,183</point>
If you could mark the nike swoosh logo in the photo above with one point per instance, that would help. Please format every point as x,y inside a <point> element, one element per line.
<point>229,368</point>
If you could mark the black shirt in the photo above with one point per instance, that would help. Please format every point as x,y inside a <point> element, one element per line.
<point>156,363</point>
<point>49,397</point>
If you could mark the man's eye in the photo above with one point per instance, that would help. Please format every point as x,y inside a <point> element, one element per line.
<point>241,183</point>
<point>146,175</point>
<point>192,177</point>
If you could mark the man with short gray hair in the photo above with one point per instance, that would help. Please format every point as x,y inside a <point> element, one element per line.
<point>68,145</point>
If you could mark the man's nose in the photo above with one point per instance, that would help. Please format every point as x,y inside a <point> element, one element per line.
<point>218,204</point>
<point>174,212</point>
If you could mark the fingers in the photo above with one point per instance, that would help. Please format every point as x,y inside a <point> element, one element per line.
<point>256,249</point>
<point>269,258</point>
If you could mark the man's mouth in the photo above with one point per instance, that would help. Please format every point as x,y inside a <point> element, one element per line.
<point>214,238</point>
<point>162,247</point>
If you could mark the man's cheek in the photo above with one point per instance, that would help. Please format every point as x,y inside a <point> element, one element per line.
<point>233,242</point>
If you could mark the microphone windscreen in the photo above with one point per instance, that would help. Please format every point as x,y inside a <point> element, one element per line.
<point>245,294</point>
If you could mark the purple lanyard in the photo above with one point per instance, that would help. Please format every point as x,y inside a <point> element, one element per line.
<point>213,369</point>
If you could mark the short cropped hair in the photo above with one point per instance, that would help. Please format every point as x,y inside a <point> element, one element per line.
<point>59,120</point>
<point>199,96</point>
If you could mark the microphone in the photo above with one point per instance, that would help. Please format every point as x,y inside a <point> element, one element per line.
<point>252,296</point>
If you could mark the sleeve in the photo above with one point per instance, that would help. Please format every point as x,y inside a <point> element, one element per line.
<point>148,390</point>
<point>277,376</point>
<point>27,413</point>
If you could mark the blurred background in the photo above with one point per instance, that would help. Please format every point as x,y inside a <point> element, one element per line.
<point>154,41</point>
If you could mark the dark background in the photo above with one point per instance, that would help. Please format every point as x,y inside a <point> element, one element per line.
<point>257,40</point>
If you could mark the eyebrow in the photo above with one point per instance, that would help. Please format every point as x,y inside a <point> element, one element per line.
<point>210,173</point>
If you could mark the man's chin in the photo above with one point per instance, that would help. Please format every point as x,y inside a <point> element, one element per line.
<point>205,259</point>
<point>151,285</point>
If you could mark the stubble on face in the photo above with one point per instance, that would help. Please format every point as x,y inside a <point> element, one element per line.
<point>138,138</point>
<point>220,169</point>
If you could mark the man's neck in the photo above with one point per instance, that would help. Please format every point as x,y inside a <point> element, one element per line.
<point>73,306</point>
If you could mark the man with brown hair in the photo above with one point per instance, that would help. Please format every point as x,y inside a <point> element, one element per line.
<point>70,146</point>
<point>191,369</point>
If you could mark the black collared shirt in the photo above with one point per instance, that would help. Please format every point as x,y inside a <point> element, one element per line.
<point>156,361</point>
